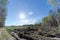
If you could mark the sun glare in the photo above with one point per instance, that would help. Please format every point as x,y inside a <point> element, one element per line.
<point>22,16</point>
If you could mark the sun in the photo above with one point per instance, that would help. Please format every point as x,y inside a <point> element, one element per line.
<point>22,16</point>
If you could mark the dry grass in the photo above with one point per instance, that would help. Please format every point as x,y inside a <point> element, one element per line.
<point>4,34</point>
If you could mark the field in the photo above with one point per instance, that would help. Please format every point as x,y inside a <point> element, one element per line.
<point>4,35</point>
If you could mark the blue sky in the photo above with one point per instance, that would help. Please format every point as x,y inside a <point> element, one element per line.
<point>22,12</point>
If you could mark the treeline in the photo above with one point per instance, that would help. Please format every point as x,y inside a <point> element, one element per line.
<point>51,23</point>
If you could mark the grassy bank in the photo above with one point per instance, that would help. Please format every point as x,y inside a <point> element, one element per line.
<point>4,35</point>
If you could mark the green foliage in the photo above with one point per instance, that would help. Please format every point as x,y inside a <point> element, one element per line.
<point>16,27</point>
<point>45,19</point>
<point>3,12</point>
<point>52,2</point>
<point>49,22</point>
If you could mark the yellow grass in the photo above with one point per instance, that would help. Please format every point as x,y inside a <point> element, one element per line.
<point>4,34</point>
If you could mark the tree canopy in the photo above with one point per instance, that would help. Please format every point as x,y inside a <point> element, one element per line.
<point>3,12</point>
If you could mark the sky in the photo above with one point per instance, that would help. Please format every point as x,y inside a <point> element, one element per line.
<point>21,12</point>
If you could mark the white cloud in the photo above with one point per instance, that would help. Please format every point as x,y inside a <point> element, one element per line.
<point>29,21</point>
<point>25,21</point>
<point>30,13</point>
